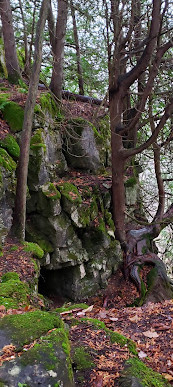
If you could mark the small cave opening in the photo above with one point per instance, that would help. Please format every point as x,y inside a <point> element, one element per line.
<point>56,285</point>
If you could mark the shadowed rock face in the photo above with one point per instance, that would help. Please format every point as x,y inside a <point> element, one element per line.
<point>73,226</point>
<point>81,150</point>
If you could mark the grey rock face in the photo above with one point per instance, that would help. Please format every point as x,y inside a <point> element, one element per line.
<point>81,149</point>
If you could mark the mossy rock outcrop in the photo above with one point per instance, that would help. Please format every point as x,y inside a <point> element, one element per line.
<point>13,114</point>
<point>47,362</point>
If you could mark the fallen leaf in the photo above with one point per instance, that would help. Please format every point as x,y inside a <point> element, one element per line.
<point>168,377</point>
<point>150,334</point>
<point>102,314</point>
<point>142,355</point>
<point>134,319</point>
<point>2,308</point>
<point>113,318</point>
<point>84,311</point>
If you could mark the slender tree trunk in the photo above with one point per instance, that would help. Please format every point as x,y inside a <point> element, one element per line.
<point>18,226</point>
<point>32,32</point>
<point>78,57</point>
<point>57,73</point>
<point>9,42</point>
<point>51,28</point>
<point>27,67</point>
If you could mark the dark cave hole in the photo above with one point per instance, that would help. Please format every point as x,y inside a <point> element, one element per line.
<point>56,285</point>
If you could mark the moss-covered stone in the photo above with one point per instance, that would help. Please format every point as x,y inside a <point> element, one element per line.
<point>44,350</point>
<point>14,115</point>
<point>37,140</point>
<point>33,235</point>
<point>82,359</point>
<point>27,327</point>
<point>14,293</point>
<point>70,192</point>
<point>11,145</point>
<point>6,161</point>
<point>115,337</point>
<point>51,192</point>
<point>143,374</point>
<point>48,104</point>
<point>11,275</point>
<point>34,248</point>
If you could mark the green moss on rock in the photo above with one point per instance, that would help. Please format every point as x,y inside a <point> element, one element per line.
<point>48,104</point>
<point>145,375</point>
<point>14,115</point>
<point>33,235</point>
<point>46,353</point>
<point>51,192</point>
<point>34,248</point>
<point>11,275</point>
<point>6,161</point>
<point>37,140</point>
<point>27,327</point>
<point>11,145</point>
<point>14,293</point>
<point>70,192</point>
<point>82,359</point>
<point>115,337</point>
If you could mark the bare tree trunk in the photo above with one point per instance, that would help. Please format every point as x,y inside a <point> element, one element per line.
<point>51,28</point>
<point>78,57</point>
<point>9,42</point>
<point>32,32</point>
<point>27,67</point>
<point>18,226</point>
<point>57,73</point>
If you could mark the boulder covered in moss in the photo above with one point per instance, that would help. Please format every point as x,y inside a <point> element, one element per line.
<point>13,114</point>
<point>44,348</point>
<point>13,292</point>
<point>137,374</point>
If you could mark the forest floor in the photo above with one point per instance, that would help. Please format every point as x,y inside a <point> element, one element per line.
<point>149,326</point>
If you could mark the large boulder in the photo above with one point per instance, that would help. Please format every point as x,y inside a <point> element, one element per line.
<point>81,141</point>
<point>44,348</point>
<point>46,160</point>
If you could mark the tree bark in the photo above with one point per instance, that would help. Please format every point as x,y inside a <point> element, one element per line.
<point>57,73</point>
<point>9,42</point>
<point>78,57</point>
<point>18,225</point>
<point>27,67</point>
<point>125,115</point>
